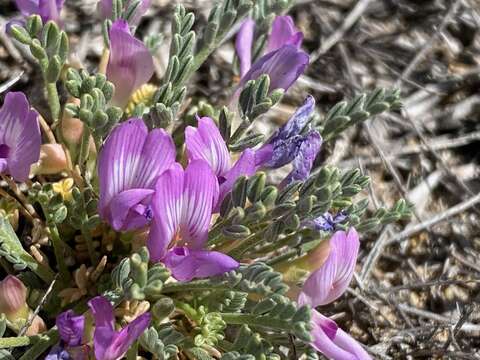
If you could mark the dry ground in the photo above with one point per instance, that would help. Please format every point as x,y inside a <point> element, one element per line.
<point>417,287</point>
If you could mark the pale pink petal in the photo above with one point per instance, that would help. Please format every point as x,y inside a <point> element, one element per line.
<point>167,211</point>
<point>130,64</point>
<point>243,45</point>
<point>200,194</point>
<point>205,142</point>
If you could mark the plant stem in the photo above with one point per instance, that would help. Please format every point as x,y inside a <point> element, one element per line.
<point>53,103</point>
<point>89,241</point>
<point>133,352</point>
<point>256,320</point>
<point>41,344</point>
<point>198,285</point>
<point>59,250</point>
<point>84,145</point>
<point>246,244</point>
<point>15,341</point>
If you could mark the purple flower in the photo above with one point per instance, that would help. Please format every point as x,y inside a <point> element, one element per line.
<point>129,164</point>
<point>108,343</point>
<point>105,7</point>
<point>333,342</point>
<point>58,352</point>
<point>47,9</point>
<point>186,264</point>
<point>182,208</point>
<point>284,62</point>
<point>70,328</point>
<point>20,137</point>
<point>327,221</point>
<point>330,281</point>
<point>290,144</point>
<point>130,64</point>
<point>206,143</point>
<point>327,284</point>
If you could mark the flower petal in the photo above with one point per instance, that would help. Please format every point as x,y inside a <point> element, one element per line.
<point>316,289</point>
<point>132,158</point>
<point>330,281</point>
<point>283,66</point>
<point>245,165</point>
<point>102,311</point>
<point>298,120</point>
<point>70,328</point>
<point>139,12</point>
<point>186,264</point>
<point>27,7</point>
<point>303,162</point>
<point>348,343</point>
<point>200,195</point>
<point>19,135</point>
<point>125,338</point>
<point>50,9</point>
<point>347,246</point>
<point>283,33</point>
<point>124,209</point>
<point>205,142</point>
<point>243,45</point>
<point>167,211</point>
<point>324,341</point>
<point>130,64</point>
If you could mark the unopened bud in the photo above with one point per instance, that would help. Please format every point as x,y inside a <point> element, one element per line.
<point>52,160</point>
<point>13,295</point>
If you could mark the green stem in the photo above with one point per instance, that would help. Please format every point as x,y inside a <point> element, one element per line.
<point>133,352</point>
<point>89,241</point>
<point>59,249</point>
<point>84,145</point>
<point>42,343</point>
<point>18,341</point>
<point>246,244</point>
<point>256,320</point>
<point>53,102</point>
<point>198,285</point>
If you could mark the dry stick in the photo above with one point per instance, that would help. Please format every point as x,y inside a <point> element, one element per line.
<point>37,309</point>
<point>466,327</point>
<point>429,45</point>
<point>22,209</point>
<point>333,39</point>
<point>26,204</point>
<point>454,210</point>
<point>435,145</point>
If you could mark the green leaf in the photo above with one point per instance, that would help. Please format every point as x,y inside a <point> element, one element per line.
<point>12,250</point>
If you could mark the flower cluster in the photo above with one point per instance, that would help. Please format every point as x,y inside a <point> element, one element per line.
<point>185,235</point>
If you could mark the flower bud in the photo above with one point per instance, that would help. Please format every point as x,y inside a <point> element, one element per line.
<point>13,295</point>
<point>52,160</point>
<point>36,327</point>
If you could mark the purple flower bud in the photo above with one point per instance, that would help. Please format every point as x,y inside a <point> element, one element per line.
<point>290,144</point>
<point>20,137</point>
<point>70,328</point>
<point>110,344</point>
<point>130,64</point>
<point>283,66</point>
<point>330,281</point>
<point>284,33</point>
<point>47,9</point>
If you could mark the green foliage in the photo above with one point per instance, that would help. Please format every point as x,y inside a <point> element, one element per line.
<point>136,279</point>
<point>52,203</point>
<point>12,250</point>
<point>161,342</point>
<point>94,92</point>
<point>346,114</point>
